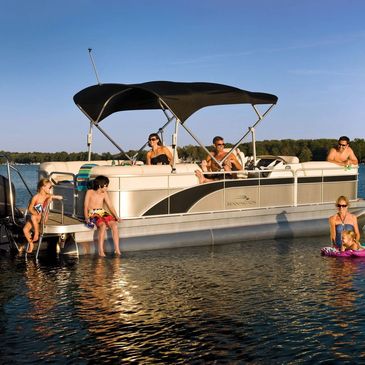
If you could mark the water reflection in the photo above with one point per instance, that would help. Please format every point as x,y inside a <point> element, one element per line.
<point>42,295</point>
<point>106,289</point>
<point>344,330</point>
<point>266,302</point>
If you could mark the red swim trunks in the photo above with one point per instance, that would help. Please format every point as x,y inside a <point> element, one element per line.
<point>100,216</point>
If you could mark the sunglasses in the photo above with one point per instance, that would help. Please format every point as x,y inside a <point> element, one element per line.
<point>341,205</point>
<point>220,144</point>
<point>152,139</point>
<point>342,145</point>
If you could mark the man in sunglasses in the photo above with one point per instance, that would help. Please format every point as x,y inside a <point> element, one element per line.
<point>209,164</point>
<point>343,155</point>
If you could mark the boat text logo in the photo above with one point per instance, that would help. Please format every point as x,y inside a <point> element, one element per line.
<point>241,201</point>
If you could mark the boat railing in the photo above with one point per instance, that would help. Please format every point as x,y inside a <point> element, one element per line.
<point>126,188</point>
<point>44,220</point>
<point>260,179</point>
<point>73,181</point>
<point>302,173</point>
<point>9,168</point>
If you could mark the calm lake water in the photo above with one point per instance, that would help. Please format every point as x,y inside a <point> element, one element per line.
<point>263,302</point>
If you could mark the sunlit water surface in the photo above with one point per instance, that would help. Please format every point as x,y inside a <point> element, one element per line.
<point>264,302</point>
<point>256,302</point>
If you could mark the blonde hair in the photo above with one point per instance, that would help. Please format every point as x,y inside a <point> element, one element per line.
<point>41,183</point>
<point>342,197</point>
<point>350,234</point>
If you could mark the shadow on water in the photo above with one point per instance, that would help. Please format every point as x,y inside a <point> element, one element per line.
<point>283,226</point>
<point>283,230</point>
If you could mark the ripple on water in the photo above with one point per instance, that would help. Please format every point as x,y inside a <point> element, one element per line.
<point>268,302</point>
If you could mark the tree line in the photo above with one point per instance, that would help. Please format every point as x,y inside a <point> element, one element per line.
<point>304,149</point>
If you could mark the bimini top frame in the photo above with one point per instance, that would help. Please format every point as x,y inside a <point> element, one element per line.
<point>181,99</point>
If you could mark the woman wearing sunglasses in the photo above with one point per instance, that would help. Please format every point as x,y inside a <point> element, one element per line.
<point>343,155</point>
<point>159,154</point>
<point>343,220</point>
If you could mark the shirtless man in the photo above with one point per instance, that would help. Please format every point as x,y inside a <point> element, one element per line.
<point>343,155</point>
<point>94,213</point>
<point>231,163</point>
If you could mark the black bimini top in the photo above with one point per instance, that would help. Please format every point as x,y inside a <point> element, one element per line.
<point>181,98</point>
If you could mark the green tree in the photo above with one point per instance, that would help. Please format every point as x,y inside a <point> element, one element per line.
<point>305,154</point>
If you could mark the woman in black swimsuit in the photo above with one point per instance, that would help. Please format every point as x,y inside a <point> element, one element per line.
<point>159,154</point>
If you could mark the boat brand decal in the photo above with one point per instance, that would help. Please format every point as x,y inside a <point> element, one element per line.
<point>241,201</point>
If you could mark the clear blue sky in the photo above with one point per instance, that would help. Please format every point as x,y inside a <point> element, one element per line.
<point>311,54</point>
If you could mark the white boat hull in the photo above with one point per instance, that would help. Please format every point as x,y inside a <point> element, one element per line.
<point>214,228</point>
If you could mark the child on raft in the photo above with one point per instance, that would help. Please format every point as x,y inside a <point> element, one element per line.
<point>349,241</point>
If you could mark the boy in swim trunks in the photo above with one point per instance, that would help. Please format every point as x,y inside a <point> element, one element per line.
<point>94,213</point>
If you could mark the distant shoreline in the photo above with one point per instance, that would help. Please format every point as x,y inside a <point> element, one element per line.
<point>304,149</point>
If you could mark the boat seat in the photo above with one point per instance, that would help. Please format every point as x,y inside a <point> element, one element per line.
<point>66,170</point>
<point>289,159</point>
<point>82,178</point>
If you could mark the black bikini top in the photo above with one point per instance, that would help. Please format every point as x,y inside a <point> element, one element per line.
<point>160,160</point>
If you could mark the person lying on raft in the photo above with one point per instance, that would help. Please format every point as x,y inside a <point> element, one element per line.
<point>349,241</point>
<point>209,165</point>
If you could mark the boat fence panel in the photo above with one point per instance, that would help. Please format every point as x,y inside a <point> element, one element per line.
<point>138,191</point>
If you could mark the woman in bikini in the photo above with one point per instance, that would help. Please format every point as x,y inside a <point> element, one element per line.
<point>37,206</point>
<point>159,154</point>
<point>342,221</point>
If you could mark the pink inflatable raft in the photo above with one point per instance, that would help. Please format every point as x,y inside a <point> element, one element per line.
<point>333,252</point>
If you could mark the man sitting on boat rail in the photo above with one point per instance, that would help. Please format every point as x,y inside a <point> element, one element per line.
<point>210,165</point>
<point>343,155</point>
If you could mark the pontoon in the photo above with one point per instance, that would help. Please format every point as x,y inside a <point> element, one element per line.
<point>165,206</point>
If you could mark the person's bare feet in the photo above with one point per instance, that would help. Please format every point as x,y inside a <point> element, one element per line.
<point>200,176</point>
<point>117,253</point>
<point>102,254</point>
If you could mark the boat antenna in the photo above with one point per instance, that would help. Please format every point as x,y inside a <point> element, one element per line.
<point>94,67</point>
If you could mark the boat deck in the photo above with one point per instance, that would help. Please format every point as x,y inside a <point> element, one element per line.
<point>56,224</point>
